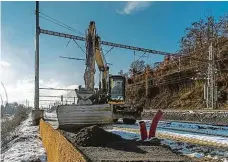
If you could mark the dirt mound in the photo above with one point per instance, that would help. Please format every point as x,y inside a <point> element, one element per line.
<point>92,136</point>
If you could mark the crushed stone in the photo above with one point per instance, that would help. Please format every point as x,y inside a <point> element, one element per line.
<point>92,136</point>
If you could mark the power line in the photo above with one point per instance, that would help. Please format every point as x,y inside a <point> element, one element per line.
<point>58,96</point>
<point>58,89</point>
<point>109,51</point>
<point>72,58</point>
<point>140,57</point>
<point>104,50</point>
<point>68,42</point>
<point>51,100</point>
<point>69,94</point>
<point>56,23</point>
<point>66,28</point>
<point>79,46</point>
<point>69,27</point>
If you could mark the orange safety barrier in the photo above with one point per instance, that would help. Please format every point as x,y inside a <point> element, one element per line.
<point>57,147</point>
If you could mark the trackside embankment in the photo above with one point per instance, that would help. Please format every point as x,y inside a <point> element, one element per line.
<point>57,147</point>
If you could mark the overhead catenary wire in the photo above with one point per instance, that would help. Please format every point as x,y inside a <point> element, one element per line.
<point>73,58</point>
<point>56,97</point>
<point>103,49</point>
<point>58,89</point>
<point>63,24</point>
<point>108,51</point>
<point>56,23</point>
<point>140,57</point>
<point>68,42</point>
<point>69,93</point>
<point>79,46</point>
<point>66,26</point>
<point>75,29</point>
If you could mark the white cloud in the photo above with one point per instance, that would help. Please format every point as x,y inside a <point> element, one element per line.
<point>133,6</point>
<point>4,63</point>
<point>23,90</point>
<point>17,75</point>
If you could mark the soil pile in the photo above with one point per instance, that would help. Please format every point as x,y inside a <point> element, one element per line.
<point>92,136</point>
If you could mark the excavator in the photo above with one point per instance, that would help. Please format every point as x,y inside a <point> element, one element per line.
<point>101,106</point>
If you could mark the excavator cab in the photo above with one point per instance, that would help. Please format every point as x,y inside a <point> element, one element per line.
<point>116,89</point>
<point>120,109</point>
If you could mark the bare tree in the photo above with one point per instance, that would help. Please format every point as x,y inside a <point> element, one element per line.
<point>120,72</point>
<point>200,33</point>
<point>137,66</point>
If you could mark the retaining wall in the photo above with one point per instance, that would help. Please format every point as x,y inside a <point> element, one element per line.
<point>57,147</point>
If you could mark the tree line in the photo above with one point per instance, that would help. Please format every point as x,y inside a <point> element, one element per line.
<point>197,36</point>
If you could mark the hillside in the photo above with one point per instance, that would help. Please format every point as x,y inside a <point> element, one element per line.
<point>178,82</point>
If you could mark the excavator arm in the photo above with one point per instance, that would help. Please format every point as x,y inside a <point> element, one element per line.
<point>94,54</point>
<point>102,65</point>
<point>90,57</point>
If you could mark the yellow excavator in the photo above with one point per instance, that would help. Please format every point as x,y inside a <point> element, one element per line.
<point>101,106</point>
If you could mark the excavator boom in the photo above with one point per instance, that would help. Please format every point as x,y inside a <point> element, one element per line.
<point>90,57</point>
<point>102,66</point>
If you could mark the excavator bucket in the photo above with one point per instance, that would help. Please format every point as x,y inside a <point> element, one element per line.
<point>74,117</point>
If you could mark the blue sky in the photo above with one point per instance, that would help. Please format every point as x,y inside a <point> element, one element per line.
<point>153,25</point>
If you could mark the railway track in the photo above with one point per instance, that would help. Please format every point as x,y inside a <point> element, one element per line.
<point>199,128</point>
<point>190,131</point>
<point>178,134</point>
<point>195,122</point>
<point>211,139</point>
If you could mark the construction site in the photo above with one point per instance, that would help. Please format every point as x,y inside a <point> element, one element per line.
<point>173,110</point>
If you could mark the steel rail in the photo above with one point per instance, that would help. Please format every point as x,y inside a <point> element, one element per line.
<point>178,138</point>
<point>191,131</point>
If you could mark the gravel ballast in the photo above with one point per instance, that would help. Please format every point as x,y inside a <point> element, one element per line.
<point>92,136</point>
<point>99,145</point>
<point>123,151</point>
